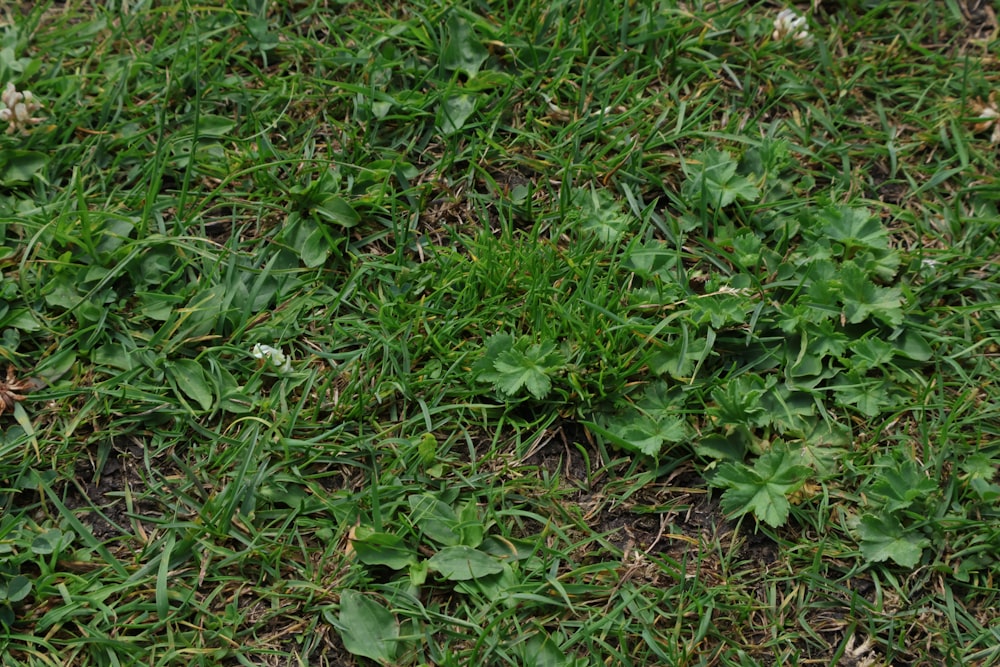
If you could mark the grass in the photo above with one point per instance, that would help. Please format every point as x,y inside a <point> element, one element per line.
<point>617,333</point>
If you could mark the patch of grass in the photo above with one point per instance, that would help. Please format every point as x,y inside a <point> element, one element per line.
<point>538,334</point>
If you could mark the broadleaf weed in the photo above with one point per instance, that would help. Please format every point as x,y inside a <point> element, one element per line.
<point>583,333</point>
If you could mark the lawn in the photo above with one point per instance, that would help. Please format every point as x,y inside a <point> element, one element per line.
<point>529,333</point>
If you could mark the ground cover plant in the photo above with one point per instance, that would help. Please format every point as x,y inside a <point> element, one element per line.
<point>550,333</point>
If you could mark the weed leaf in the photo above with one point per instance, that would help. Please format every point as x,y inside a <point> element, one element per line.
<point>712,178</point>
<point>862,299</point>
<point>514,370</point>
<point>914,346</point>
<point>463,51</point>
<point>20,166</point>
<point>374,548</point>
<point>868,395</point>
<point>462,563</point>
<point>854,227</point>
<point>495,346</point>
<point>214,126</point>
<point>740,401</point>
<point>643,433</point>
<point>599,214</point>
<point>542,651</point>
<point>189,378</point>
<point>367,628</point>
<point>763,489</point>
<point>980,470</point>
<point>899,485</point>
<point>16,589</point>
<point>678,358</point>
<point>884,537</point>
<point>870,353</point>
<point>453,113</point>
<point>337,211</point>
<point>436,519</point>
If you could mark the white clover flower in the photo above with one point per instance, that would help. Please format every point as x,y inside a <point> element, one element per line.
<point>791,25</point>
<point>277,358</point>
<point>987,115</point>
<point>19,108</point>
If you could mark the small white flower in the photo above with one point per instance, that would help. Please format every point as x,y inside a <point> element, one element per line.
<point>277,358</point>
<point>791,25</point>
<point>18,108</point>
<point>987,114</point>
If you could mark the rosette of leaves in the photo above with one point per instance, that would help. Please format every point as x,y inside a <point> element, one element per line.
<point>598,214</point>
<point>436,541</point>
<point>763,488</point>
<point>653,424</point>
<point>318,217</point>
<point>712,179</point>
<point>516,367</point>
<point>900,497</point>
